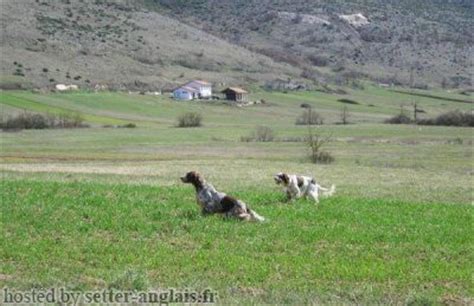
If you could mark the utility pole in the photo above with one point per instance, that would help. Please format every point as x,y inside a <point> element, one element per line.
<point>415,112</point>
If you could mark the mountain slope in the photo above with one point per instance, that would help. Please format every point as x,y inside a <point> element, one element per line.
<point>155,44</point>
<point>408,42</point>
<point>119,45</point>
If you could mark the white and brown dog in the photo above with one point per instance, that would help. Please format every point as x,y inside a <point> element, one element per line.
<point>213,202</point>
<point>296,187</point>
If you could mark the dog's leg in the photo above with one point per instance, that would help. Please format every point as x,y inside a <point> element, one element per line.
<point>254,216</point>
<point>244,217</point>
<point>289,196</point>
<point>313,192</point>
<point>314,196</point>
<point>295,191</point>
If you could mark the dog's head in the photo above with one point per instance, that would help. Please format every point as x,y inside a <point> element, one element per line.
<point>194,178</point>
<point>282,179</point>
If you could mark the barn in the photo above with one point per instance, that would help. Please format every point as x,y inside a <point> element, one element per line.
<point>235,94</point>
<point>196,89</point>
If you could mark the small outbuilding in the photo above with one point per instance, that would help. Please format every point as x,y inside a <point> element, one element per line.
<point>236,94</point>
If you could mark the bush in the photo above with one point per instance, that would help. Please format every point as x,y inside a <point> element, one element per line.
<point>128,126</point>
<point>261,134</point>
<point>26,121</point>
<point>309,117</point>
<point>67,120</point>
<point>190,120</point>
<point>453,118</point>
<point>348,101</point>
<point>318,60</point>
<point>322,157</point>
<point>399,119</point>
<point>315,143</point>
<point>36,121</point>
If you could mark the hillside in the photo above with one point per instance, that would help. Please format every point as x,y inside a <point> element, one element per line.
<point>155,44</point>
<point>116,44</point>
<point>407,42</point>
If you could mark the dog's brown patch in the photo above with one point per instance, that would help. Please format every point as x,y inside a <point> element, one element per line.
<point>285,178</point>
<point>193,178</point>
<point>228,203</point>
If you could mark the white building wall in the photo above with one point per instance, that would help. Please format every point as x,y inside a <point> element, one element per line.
<point>182,94</point>
<point>206,91</point>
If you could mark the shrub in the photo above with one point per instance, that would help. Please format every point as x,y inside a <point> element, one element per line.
<point>318,60</point>
<point>348,101</point>
<point>190,120</point>
<point>315,143</point>
<point>309,117</point>
<point>399,119</point>
<point>128,126</point>
<point>453,118</point>
<point>37,121</point>
<point>68,120</point>
<point>322,157</point>
<point>261,134</point>
<point>26,121</point>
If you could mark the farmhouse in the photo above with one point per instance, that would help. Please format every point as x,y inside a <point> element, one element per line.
<point>235,94</point>
<point>196,89</point>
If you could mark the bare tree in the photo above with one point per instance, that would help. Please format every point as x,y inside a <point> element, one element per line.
<point>316,141</point>
<point>345,115</point>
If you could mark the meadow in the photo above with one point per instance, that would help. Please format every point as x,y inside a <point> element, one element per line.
<point>102,207</point>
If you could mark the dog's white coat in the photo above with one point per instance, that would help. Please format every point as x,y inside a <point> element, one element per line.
<point>310,188</point>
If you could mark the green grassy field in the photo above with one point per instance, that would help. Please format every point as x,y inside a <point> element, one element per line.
<point>103,207</point>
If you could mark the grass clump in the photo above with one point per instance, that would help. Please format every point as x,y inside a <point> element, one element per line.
<point>190,119</point>
<point>130,280</point>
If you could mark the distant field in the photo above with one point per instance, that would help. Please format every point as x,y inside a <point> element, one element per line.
<point>373,105</point>
<point>103,207</point>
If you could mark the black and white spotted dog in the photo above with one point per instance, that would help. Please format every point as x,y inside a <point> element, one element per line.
<point>296,187</point>
<point>213,202</point>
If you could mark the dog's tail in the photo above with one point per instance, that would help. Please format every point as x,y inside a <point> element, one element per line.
<point>255,216</point>
<point>327,192</point>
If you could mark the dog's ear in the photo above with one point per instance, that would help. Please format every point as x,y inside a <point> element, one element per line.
<point>189,177</point>
<point>195,177</point>
<point>285,178</point>
<point>198,177</point>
